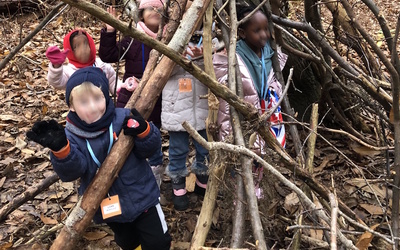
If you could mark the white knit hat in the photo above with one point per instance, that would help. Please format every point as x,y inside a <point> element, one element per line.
<point>144,4</point>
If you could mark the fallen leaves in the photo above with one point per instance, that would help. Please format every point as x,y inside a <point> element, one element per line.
<point>365,239</point>
<point>48,220</point>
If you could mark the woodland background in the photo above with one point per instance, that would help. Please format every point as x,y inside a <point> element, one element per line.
<point>354,154</point>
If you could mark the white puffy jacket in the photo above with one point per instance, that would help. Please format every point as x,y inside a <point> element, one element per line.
<point>185,102</point>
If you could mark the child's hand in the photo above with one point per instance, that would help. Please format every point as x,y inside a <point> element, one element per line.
<point>130,83</point>
<point>111,10</point>
<point>134,124</point>
<point>56,56</point>
<point>193,51</point>
<point>48,134</point>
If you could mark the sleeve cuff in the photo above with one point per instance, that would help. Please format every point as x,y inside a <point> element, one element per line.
<point>145,133</point>
<point>62,153</point>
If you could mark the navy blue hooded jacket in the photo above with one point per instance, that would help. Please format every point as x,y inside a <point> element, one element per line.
<point>136,186</point>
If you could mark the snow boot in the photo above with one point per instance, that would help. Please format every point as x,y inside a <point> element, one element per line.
<point>180,198</point>
<point>201,184</point>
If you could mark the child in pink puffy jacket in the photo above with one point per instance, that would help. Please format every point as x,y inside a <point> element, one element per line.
<point>80,50</point>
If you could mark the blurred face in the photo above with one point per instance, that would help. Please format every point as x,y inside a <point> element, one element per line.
<point>255,32</point>
<point>90,106</point>
<point>81,48</point>
<point>152,18</point>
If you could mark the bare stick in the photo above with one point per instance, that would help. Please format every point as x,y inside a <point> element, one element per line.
<point>29,194</point>
<point>268,114</point>
<point>205,217</point>
<point>334,211</point>
<point>239,140</point>
<point>312,138</point>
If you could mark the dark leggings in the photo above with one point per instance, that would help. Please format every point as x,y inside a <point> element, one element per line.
<point>149,230</point>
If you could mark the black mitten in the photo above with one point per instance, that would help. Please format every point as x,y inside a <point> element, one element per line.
<point>134,124</point>
<point>48,134</point>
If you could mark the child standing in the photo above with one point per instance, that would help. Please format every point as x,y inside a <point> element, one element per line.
<point>181,101</point>
<point>260,86</point>
<point>78,151</point>
<point>80,50</point>
<point>136,55</point>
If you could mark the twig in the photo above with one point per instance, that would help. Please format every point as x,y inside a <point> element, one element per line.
<point>334,210</point>
<point>247,17</point>
<point>291,36</point>
<point>268,114</point>
<point>239,140</point>
<point>294,227</point>
<point>356,139</point>
<point>342,132</point>
<point>312,138</point>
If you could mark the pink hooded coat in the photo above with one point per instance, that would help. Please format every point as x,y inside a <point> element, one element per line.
<point>250,93</point>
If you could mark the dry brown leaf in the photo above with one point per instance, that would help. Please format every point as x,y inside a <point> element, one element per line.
<point>317,234</point>
<point>363,150</point>
<point>41,167</point>
<point>27,152</point>
<point>59,21</point>
<point>215,216</point>
<point>365,239</point>
<point>96,235</point>
<point>191,224</point>
<point>291,202</point>
<point>48,220</point>
<point>360,183</point>
<point>8,161</point>
<point>2,180</point>
<point>373,210</point>
<point>19,143</point>
<point>325,162</point>
<point>180,245</point>
<point>9,139</point>
<point>5,246</point>
<point>11,118</point>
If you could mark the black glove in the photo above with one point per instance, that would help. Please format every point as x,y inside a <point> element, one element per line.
<point>48,134</point>
<point>134,124</point>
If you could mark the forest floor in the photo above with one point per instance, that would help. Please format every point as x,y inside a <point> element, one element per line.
<point>26,97</point>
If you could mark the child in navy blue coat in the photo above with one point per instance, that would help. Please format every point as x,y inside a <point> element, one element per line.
<point>78,151</point>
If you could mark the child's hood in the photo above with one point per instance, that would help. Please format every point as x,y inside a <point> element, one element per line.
<point>71,57</point>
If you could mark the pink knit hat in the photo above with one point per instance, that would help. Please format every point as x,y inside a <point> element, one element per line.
<point>144,4</point>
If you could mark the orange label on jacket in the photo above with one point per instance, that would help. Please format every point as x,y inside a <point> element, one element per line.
<point>185,85</point>
<point>110,207</point>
